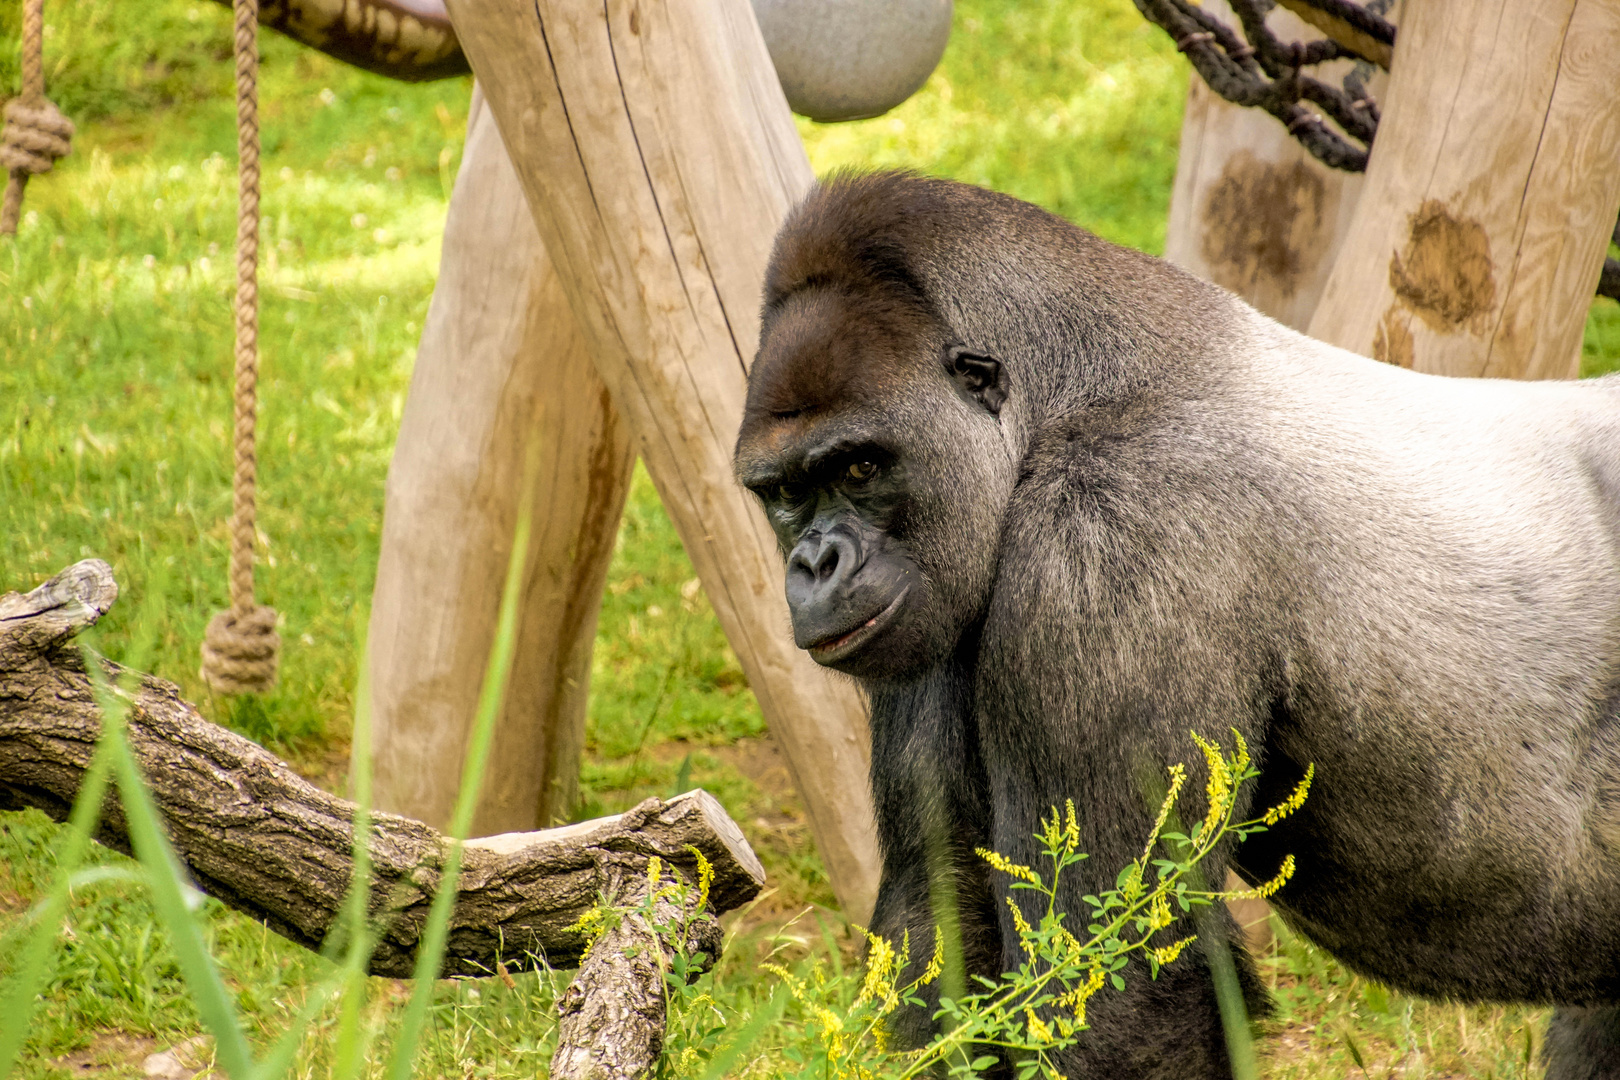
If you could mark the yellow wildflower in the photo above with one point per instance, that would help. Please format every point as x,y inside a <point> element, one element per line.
<point>1168,953</point>
<point>1007,866</point>
<point>705,875</point>
<point>1178,777</point>
<point>1265,889</point>
<point>1294,801</point>
<point>1025,933</point>
<point>593,924</point>
<point>937,963</point>
<point>1159,915</point>
<point>1218,789</point>
<point>1240,760</point>
<point>1132,887</point>
<point>1076,999</point>
<point>655,870</point>
<point>1071,829</point>
<point>1039,1032</point>
<point>879,970</point>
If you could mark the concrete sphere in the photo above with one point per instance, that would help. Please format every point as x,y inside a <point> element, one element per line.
<point>851,59</point>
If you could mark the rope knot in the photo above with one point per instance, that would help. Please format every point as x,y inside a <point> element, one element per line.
<point>239,651</point>
<point>35,137</point>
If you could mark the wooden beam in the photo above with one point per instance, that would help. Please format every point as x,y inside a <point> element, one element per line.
<point>502,365</point>
<point>1490,194</point>
<point>659,156</point>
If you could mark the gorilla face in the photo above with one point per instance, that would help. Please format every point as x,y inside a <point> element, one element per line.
<point>875,448</point>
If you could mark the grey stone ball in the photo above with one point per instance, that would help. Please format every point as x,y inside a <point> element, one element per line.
<point>852,59</point>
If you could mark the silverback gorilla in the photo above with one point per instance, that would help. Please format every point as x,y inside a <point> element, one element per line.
<point>1055,504</point>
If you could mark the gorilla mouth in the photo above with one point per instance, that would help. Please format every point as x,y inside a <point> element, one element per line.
<point>843,646</point>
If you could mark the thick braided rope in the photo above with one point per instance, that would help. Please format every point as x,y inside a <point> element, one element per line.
<point>36,132</point>
<point>239,651</point>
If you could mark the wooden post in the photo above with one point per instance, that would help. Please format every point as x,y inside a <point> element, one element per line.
<point>1252,210</point>
<point>1491,191</point>
<point>501,364</point>
<point>659,156</point>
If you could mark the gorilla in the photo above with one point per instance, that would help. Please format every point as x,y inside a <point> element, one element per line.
<point>1056,504</point>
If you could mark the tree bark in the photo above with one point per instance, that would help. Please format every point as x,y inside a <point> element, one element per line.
<point>659,156</point>
<point>255,835</point>
<point>1490,193</point>
<point>501,365</point>
<point>611,1019</point>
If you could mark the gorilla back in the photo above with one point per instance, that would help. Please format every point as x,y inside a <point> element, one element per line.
<point>1057,504</point>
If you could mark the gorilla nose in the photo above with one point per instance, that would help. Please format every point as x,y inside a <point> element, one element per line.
<point>820,566</point>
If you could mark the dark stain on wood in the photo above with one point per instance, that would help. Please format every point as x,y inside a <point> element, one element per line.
<point>1444,272</point>
<point>1392,343</point>
<point>1265,222</point>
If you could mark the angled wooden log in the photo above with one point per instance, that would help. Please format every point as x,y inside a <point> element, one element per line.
<point>1490,194</point>
<point>501,368</point>
<point>255,835</point>
<point>659,156</point>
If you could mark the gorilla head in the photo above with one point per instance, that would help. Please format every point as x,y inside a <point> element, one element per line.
<point>890,532</point>
<point>1057,504</point>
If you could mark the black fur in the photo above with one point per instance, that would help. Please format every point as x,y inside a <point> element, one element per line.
<point>1058,504</point>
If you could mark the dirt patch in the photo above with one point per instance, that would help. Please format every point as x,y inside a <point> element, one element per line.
<point>1444,273</point>
<point>109,1052</point>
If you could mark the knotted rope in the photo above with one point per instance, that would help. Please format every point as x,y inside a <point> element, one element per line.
<point>240,646</point>
<point>36,132</point>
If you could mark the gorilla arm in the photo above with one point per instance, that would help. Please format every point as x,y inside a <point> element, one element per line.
<point>1116,629</point>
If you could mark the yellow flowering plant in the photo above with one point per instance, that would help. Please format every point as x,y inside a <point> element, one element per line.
<point>837,1026</point>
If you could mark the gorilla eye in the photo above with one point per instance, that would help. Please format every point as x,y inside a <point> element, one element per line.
<point>861,471</point>
<point>790,493</point>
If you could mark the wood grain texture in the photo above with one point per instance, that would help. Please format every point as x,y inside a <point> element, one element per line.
<point>255,835</point>
<point>501,366</point>
<point>659,156</point>
<point>1490,194</point>
<point>1251,209</point>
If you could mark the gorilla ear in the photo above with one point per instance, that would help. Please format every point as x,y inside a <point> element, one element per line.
<point>981,377</point>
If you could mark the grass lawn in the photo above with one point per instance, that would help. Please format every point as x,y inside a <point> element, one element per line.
<point>114,415</point>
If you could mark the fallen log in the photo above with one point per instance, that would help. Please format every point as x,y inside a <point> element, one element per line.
<point>254,834</point>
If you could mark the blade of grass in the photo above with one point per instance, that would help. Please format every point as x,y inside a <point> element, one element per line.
<point>352,1041</point>
<point>430,952</point>
<point>38,961</point>
<point>152,848</point>
<point>724,1060</point>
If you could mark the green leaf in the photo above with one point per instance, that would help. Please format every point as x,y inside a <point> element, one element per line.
<point>1119,983</point>
<point>151,846</point>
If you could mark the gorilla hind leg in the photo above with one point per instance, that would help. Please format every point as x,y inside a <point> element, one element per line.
<point>1583,1044</point>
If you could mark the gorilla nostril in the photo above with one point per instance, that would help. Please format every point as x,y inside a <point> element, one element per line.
<point>827,563</point>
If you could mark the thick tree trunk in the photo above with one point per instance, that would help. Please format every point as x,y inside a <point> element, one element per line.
<point>255,835</point>
<point>659,156</point>
<point>501,366</point>
<point>1490,194</point>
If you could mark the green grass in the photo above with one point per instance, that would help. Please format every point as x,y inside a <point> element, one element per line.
<point>114,418</point>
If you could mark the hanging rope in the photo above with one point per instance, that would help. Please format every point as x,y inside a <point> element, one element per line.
<point>36,132</point>
<point>240,646</point>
